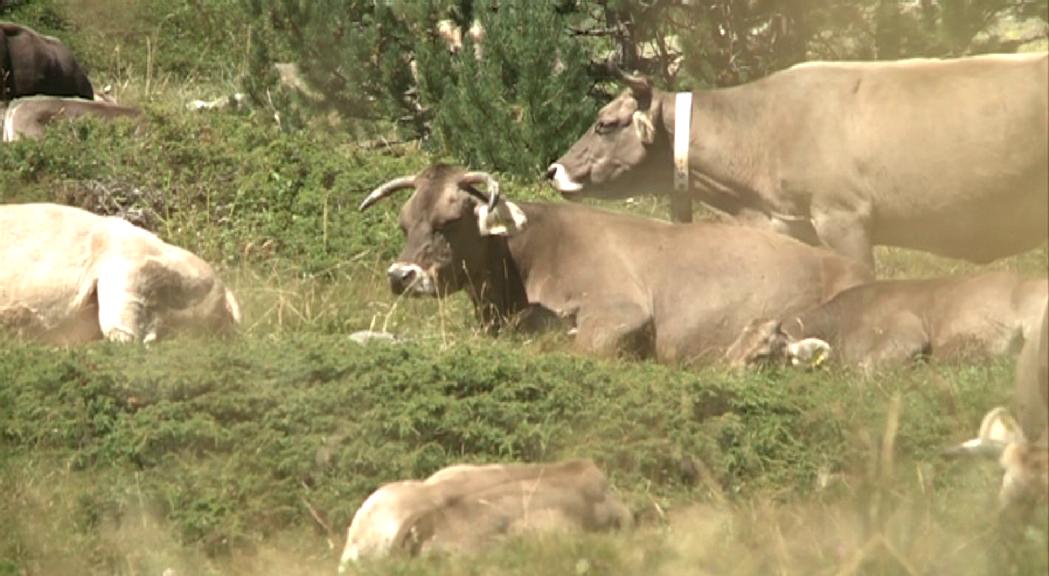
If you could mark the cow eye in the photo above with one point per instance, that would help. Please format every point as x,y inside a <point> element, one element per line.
<point>604,126</point>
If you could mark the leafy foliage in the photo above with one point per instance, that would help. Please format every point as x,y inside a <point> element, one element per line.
<point>515,102</point>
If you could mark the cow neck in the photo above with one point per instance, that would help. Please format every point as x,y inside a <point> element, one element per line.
<point>818,322</point>
<point>499,293</point>
<point>722,155</point>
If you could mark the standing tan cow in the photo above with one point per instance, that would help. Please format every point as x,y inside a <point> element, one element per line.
<point>889,322</point>
<point>70,276</point>
<point>628,284</point>
<point>946,156</point>
<point>30,117</point>
<point>32,63</point>
<point>462,507</point>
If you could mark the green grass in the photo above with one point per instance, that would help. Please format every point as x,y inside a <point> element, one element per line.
<point>207,454</point>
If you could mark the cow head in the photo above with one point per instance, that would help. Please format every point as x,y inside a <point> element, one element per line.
<point>1025,464</point>
<point>764,343</point>
<point>446,222</point>
<point>190,299</point>
<point>623,153</point>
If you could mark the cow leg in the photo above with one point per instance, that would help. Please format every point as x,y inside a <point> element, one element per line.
<point>123,314</point>
<point>846,234</point>
<point>613,330</point>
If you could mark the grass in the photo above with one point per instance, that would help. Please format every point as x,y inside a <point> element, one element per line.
<point>250,455</point>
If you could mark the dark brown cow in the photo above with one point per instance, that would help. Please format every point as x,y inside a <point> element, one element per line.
<point>946,156</point>
<point>628,284</point>
<point>30,117</point>
<point>32,63</point>
<point>892,321</point>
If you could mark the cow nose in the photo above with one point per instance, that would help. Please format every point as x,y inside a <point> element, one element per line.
<point>400,277</point>
<point>551,171</point>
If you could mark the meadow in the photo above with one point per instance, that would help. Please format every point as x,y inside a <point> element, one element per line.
<point>249,455</point>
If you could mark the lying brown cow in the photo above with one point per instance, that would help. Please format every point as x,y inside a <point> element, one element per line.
<point>892,321</point>
<point>947,156</point>
<point>29,117</point>
<point>70,276</point>
<point>629,284</point>
<point>1022,449</point>
<point>462,507</point>
<point>32,63</point>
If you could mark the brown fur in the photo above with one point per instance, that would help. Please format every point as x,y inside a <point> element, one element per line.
<point>31,63</point>
<point>947,156</point>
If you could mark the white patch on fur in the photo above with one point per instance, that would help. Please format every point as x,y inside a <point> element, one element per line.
<point>563,182</point>
<point>506,220</point>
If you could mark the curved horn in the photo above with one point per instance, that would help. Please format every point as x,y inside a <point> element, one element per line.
<point>638,84</point>
<point>978,447</point>
<point>387,189</point>
<point>466,181</point>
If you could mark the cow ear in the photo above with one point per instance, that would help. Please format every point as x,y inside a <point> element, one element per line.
<point>646,131</point>
<point>506,219</point>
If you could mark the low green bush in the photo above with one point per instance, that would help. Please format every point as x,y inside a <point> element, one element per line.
<point>223,441</point>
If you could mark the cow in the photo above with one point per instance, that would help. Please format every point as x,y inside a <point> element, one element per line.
<point>70,277</point>
<point>945,156</point>
<point>30,117</point>
<point>625,283</point>
<point>1022,447</point>
<point>32,63</point>
<point>889,322</point>
<point>462,507</point>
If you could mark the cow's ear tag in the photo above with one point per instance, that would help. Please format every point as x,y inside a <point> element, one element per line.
<point>643,125</point>
<point>810,353</point>
<point>506,219</point>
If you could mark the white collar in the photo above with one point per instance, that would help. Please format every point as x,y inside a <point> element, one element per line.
<point>682,131</point>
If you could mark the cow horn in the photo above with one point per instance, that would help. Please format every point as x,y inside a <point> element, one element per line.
<point>978,447</point>
<point>638,84</point>
<point>466,181</point>
<point>387,189</point>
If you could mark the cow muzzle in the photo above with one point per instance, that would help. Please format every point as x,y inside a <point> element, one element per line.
<point>410,279</point>
<point>561,180</point>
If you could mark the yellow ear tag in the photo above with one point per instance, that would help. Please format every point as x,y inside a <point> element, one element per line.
<point>819,358</point>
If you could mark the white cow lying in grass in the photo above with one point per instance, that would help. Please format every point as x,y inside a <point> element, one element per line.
<point>70,276</point>
<point>462,507</point>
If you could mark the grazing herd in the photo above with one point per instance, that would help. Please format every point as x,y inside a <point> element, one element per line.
<point>812,166</point>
